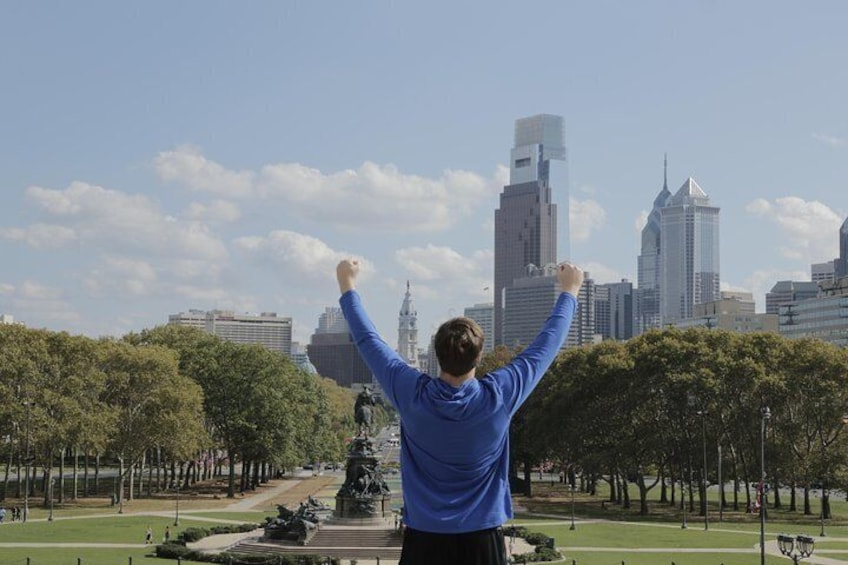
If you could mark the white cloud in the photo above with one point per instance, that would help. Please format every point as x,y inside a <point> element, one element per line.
<point>39,301</point>
<point>442,273</point>
<point>377,197</point>
<point>122,275</point>
<point>831,140</point>
<point>372,197</point>
<point>585,217</point>
<point>37,291</point>
<point>112,220</point>
<point>40,236</point>
<point>299,259</point>
<point>217,211</point>
<point>188,166</point>
<point>810,227</point>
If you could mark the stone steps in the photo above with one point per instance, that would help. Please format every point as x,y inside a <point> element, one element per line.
<point>340,542</point>
<point>337,552</point>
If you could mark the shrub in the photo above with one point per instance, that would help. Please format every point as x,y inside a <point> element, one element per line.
<point>190,535</point>
<point>536,538</point>
<point>172,551</point>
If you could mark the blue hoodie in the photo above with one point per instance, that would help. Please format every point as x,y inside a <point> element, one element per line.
<point>455,440</point>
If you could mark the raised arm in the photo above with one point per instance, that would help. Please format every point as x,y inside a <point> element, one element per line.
<point>391,371</point>
<point>520,377</point>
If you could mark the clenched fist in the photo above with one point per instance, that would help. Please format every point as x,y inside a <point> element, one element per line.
<point>346,272</point>
<point>570,278</point>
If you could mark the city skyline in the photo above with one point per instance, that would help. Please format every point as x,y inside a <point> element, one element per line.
<point>232,161</point>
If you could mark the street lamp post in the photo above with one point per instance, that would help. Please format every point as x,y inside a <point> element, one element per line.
<point>27,403</point>
<point>720,489</point>
<point>788,546</point>
<point>765,414</point>
<point>177,515</point>
<point>821,514</point>
<point>573,527</point>
<point>703,415</point>
<point>50,516</point>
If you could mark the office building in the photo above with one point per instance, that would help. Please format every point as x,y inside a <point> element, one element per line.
<point>407,346</point>
<point>820,272</point>
<point>332,321</point>
<point>689,253</point>
<point>784,292</point>
<point>648,264</point>
<point>614,315</point>
<point>7,319</point>
<point>267,329</point>
<point>433,367</point>
<point>734,312</point>
<point>529,301</point>
<point>332,351</point>
<point>824,317</point>
<point>526,219</point>
<point>484,315</point>
<point>841,262</point>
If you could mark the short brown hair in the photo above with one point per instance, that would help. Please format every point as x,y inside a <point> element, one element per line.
<point>459,343</point>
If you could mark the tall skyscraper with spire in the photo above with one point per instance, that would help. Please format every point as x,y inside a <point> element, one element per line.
<point>648,267</point>
<point>408,330</point>
<point>689,253</point>
<point>526,220</point>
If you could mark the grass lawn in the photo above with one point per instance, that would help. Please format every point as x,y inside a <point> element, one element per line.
<point>605,533</point>
<point>70,556</point>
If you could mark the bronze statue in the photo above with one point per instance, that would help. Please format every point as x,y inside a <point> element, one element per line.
<point>362,411</point>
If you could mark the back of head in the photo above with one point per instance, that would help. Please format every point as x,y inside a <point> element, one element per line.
<point>459,343</point>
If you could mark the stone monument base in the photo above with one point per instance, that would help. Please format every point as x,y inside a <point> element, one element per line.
<point>371,510</point>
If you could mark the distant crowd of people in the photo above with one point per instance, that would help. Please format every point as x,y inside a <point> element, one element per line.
<point>16,512</point>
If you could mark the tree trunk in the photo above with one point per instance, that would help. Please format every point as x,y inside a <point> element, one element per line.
<point>85,463</point>
<point>120,493</point>
<point>131,481</point>
<point>150,478</point>
<point>793,505</point>
<point>76,474</point>
<point>61,498</point>
<point>9,463</point>
<point>97,473</point>
<point>19,482</point>
<point>807,509</point>
<point>231,477</point>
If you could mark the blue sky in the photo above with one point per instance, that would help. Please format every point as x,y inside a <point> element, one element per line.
<point>160,156</point>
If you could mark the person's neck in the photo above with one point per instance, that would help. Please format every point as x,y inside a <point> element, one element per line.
<point>457,381</point>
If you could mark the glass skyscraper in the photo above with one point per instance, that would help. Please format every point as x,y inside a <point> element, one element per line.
<point>526,220</point>
<point>648,267</point>
<point>689,258</point>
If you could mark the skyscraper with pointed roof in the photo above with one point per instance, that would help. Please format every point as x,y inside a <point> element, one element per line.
<point>408,330</point>
<point>648,276</point>
<point>689,257</point>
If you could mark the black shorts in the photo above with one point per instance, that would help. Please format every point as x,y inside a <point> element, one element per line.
<point>483,547</point>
